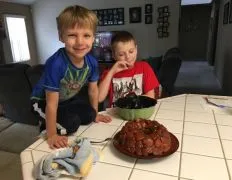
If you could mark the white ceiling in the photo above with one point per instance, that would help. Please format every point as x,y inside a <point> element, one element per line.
<point>183,2</point>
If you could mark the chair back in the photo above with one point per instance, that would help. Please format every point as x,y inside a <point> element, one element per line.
<point>172,52</point>
<point>168,73</point>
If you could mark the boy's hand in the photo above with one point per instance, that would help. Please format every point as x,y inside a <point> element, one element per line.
<point>120,66</point>
<point>57,141</point>
<point>103,118</point>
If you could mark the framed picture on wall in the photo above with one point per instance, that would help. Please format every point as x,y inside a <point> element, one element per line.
<point>160,34</point>
<point>165,9</point>
<point>135,14</point>
<point>165,29</point>
<point>230,15</point>
<point>148,8</point>
<point>148,19</point>
<point>165,34</point>
<point>109,17</point>
<point>2,29</point>
<point>160,29</point>
<point>226,13</point>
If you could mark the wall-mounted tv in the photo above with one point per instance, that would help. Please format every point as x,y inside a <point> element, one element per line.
<point>101,46</point>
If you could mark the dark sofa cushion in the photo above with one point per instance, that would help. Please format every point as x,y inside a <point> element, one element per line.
<point>155,63</point>
<point>15,93</point>
<point>168,73</point>
<point>34,73</point>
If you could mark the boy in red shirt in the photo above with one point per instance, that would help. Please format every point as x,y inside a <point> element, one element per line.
<point>127,75</point>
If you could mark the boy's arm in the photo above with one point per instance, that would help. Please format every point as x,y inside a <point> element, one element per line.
<point>150,93</point>
<point>104,86</point>
<point>105,83</point>
<point>93,97</point>
<point>54,141</point>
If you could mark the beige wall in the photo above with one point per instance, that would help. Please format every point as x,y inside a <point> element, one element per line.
<point>24,10</point>
<point>223,59</point>
<point>45,11</point>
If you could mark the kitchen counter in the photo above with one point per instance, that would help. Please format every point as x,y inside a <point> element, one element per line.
<point>204,153</point>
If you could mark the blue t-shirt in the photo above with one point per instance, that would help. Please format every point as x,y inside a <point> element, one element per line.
<point>60,75</point>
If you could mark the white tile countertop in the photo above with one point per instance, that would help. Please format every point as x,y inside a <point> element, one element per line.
<point>204,153</point>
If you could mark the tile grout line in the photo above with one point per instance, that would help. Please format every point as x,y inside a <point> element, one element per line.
<point>157,111</point>
<point>227,167</point>
<point>154,172</point>
<point>33,160</point>
<point>203,155</point>
<point>182,138</point>
<point>111,141</point>
<point>132,169</point>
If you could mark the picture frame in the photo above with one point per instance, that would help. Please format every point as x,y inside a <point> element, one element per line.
<point>2,28</point>
<point>166,24</point>
<point>148,8</point>
<point>160,19</point>
<point>160,34</point>
<point>160,24</point>
<point>135,14</point>
<point>148,19</point>
<point>166,14</point>
<point>160,29</point>
<point>160,10</point>
<point>230,15</point>
<point>1,21</point>
<point>165,9</point>
<point>109,17</point>
<point>165,19</point>
<point>165,34</point>
<point>226,13</point>
<point>165,29</point>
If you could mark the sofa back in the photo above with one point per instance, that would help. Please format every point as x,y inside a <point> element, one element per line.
<point>34,73</point>
<point>15,91</point>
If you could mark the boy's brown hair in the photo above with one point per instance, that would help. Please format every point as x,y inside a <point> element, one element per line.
<point>76,15</point>
<point>121,36</point>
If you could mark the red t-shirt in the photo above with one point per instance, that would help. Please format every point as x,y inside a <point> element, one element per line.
<point>140,79</point>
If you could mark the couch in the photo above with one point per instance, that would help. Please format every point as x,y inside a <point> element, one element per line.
<point>167,68</point>
<point>18,126</point>
<point>17,123</point>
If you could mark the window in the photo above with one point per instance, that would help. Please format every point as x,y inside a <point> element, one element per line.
<point>17,34</point>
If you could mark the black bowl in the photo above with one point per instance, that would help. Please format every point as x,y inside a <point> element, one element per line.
<point>135,102</point>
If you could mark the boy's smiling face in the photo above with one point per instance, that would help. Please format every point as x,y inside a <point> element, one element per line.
<point>78,42</point>
<point>126,51</point>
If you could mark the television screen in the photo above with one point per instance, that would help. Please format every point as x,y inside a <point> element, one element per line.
<point>101,46</point>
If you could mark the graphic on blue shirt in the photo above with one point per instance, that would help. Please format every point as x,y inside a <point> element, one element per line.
<point>72,82</point>
<point>60,75</point>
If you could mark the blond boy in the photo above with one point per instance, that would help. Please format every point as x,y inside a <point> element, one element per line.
<point>57,97</point>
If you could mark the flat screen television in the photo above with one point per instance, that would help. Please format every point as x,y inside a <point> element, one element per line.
<point>101,46</point>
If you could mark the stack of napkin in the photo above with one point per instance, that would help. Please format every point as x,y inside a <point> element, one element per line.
<point>77,160</point>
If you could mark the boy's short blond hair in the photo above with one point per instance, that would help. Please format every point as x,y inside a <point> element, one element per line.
<point>121,36</point>
<point>76,15</point>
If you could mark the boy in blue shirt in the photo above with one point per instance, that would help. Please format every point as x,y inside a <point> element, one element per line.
<point>57,96</point>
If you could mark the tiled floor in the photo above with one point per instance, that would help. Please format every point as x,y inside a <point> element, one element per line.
<point>205,138</point>
<point>197,77</point>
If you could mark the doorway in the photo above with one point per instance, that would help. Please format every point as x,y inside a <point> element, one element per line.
<point>197,43</point>
<point>194,30</point>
